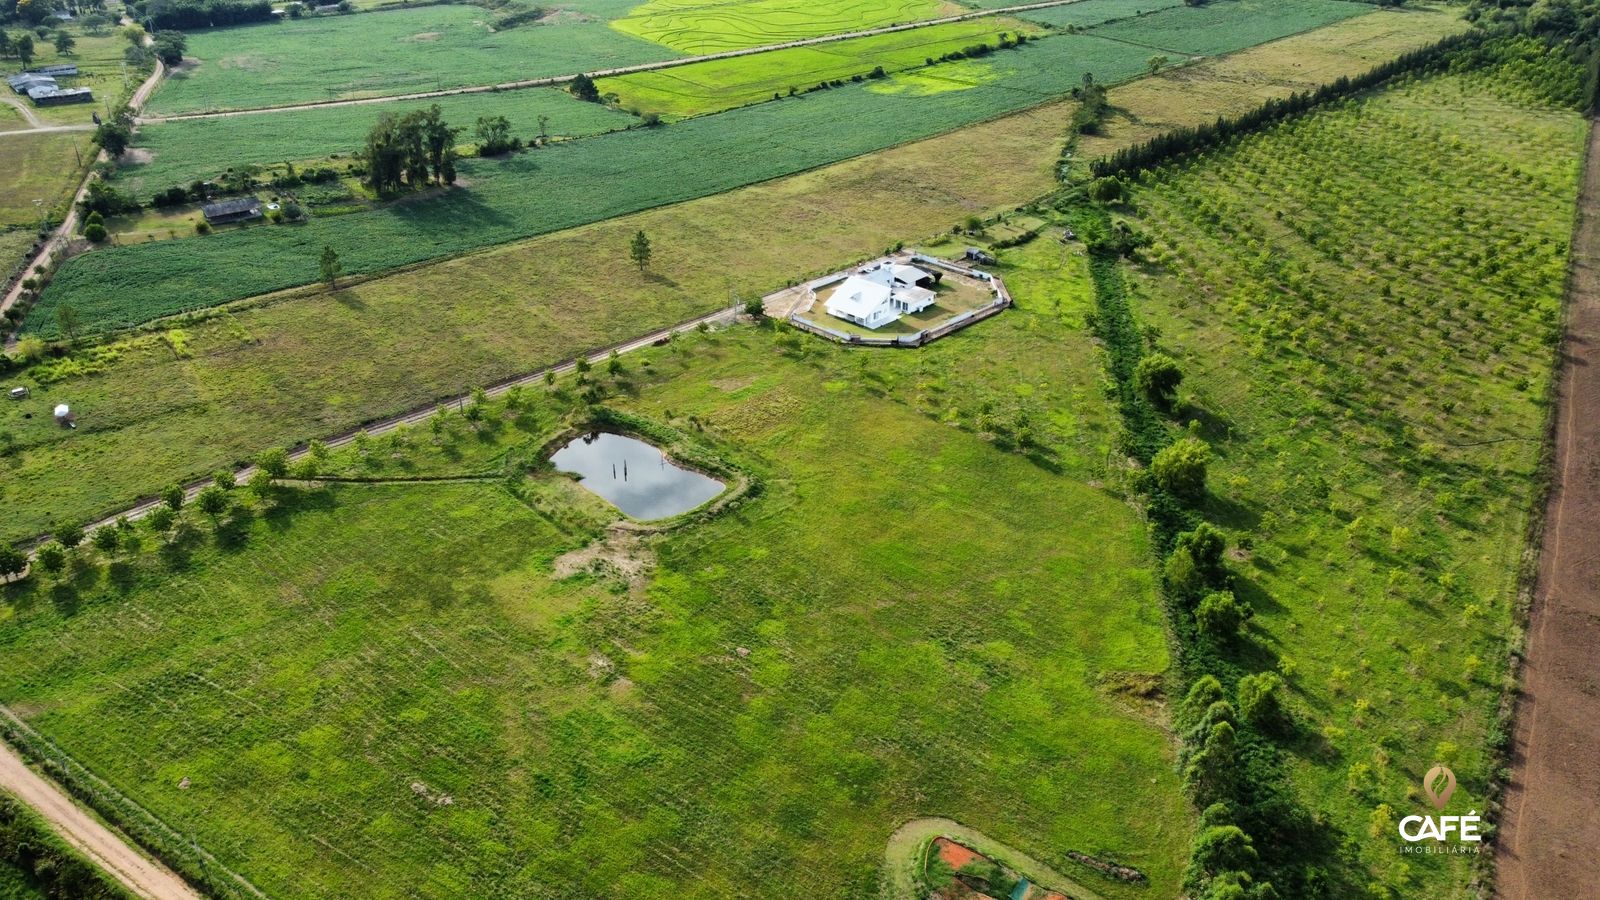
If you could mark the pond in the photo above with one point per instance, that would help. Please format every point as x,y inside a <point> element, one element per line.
<point>636,477</point>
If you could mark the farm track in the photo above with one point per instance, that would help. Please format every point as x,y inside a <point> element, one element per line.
<point>1547,839</point>
<point>621,70</point>
<point>141,876</point>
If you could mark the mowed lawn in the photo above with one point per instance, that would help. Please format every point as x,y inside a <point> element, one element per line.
<point>1367,327</point>
<point>382,691</point>
<point>719,84</point>
<point>181,152</point>
<point>696,27</point>
<point>177,405</point>
<point>585,181</point>
<point>389,52</point>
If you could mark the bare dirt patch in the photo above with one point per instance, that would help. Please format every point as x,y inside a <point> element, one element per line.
<point>1546,843</point>
<point>136,156</point>
<point>620,554</point>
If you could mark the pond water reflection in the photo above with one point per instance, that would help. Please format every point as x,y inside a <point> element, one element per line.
<point>636,477</point>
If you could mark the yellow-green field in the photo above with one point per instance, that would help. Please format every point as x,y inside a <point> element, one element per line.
<point>712,26</point>
<point>723,83</point>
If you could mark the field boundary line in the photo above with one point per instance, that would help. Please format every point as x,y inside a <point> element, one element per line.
<point>552,80</point>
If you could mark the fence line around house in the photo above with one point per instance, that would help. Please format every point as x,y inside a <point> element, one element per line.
<point>1002,300</point>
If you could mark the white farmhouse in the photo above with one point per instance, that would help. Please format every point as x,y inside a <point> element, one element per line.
<point>880,295</point>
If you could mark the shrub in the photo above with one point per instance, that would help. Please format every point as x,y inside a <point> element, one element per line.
<point>95,232</point>
<point>1180,468</point>
<point>1221,615</point>
<point>1157,376</point>
<point>1258,699</point>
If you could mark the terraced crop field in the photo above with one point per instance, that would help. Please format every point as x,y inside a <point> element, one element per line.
<point>716,85</point>
<point>696,27</point>
<point>380,54</point>
<point>433,711</point>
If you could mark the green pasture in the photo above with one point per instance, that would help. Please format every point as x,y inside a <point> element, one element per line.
<point>377,54</point>
<point>1224,25</point>
<point>382,690</point>
<point>41,166</point>
<point>698,27</point>
<point>716,85</point>
<point>1088,13</point>
<point>184,151</point>
<point>1365,303</point>
<point>588,180</point>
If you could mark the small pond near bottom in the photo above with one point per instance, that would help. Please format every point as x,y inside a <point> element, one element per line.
<point>636,477</point>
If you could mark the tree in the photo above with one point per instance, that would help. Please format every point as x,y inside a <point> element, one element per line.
<point>329,266</point>
<point>1195,564</point>
<point>161,519</point>
<point>1107,190</point>
<point>614,364</point>
<point>583,88</point>
<point>70,535</point>
<point>107,540</point>
<point>213,501</point>
<point>1221,615</point>
<point>1157,377</point>
<point>1212,771</point>
<point>1156,63</point>
<point>51,556</point>
<point>22,48</point>
<point>755,308</point>
<point>493,134</point>
<point>639,250</point>
<point>1205,691</point>
<point>1180,468</point>
<point>223,479</point>
<point>260,484</point>
<point>13,562</point>
<point>1258,699</point>
<point>95,232</point>
<point>274,462</point>
<point>95,23</point>
<point>114,135</point>
<point>5,43</point>
<point>67,318</point>
<point>1219,849</point>
<point>64,43</point>
<point>173,497</point>
<point>169,47</point>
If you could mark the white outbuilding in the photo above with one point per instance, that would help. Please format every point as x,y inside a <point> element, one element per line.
<point>880,295</point>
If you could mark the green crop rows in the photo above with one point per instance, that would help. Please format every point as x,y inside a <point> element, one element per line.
<point>712,26</point>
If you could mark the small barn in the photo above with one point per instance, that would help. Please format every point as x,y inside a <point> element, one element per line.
<point>239,209</point>
<point>980,257</point>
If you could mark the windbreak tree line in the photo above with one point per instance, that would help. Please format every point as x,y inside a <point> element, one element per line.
<point>414,149</point>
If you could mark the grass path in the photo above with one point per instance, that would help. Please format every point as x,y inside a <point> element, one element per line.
<point>904,853</point>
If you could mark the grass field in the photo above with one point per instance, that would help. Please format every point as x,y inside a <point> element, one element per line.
<point>203,148</point>
<point>720,84</point>
<point>697,27</point>
<point>162,408</point>
<point>586,181</point>
<point>365,652</point>
<point>1224,25</point>
<point>392,52</point>
<point>1366,329</point>
<point>39,166</point>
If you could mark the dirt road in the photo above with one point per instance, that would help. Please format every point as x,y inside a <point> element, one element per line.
<point>620,70</point>
<point>140,875</point>
<point>1546,846</point>
<point>63,234</point>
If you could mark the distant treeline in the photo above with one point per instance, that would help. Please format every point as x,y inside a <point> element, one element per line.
<point>1181,141</point>
<point>188,14</point>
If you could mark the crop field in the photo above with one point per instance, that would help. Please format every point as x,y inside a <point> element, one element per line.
<point>393,52</point>
<point>183,151</point>
<point>1088,13</point>
<point>696,27</point>
<point>586,181</point>
<point>1225,25</point>
<point>716,85</point>
<point>202,395</point>
<point>1367,329</point>
<point>384,691</point>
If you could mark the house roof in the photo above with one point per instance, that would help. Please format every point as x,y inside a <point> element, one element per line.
<point>231,207</point>
<point>30,80</point>
<point>895,275</point>
<point>857,296</point>
<point>55,71</point>
<point>45,92</point>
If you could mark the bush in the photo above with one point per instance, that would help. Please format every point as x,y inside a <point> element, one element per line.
<point>1180,468</point>
<point>1258,699</point>
<point>1157,376</point>
<point>95,233</point>
<point>1221,615</point>
<point>202,227</point>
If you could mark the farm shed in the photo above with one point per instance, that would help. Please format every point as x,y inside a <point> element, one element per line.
<point>239,209</point>
<point>60,70</point>
<point>60,96</point>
